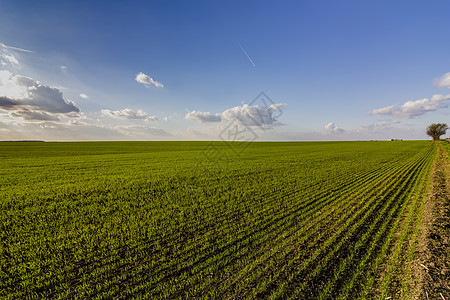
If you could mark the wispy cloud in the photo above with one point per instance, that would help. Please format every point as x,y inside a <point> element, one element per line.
<point>84,96</point>
<point>245,52</point>
<point>128,114</point>
<point>382,111</point>
<point>142,131</point>
<point>35,115</point>
<point>147,80</point>
<point>9,59</point>
<point>412,109</point>
<point>378,126</point>
<point>15,48</point>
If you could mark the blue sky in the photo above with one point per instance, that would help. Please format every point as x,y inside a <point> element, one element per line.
<point>332,70</point>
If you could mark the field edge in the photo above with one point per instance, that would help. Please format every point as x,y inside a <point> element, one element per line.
<point>433,260</point>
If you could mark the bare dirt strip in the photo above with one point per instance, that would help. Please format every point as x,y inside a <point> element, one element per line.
<point>433,266</point>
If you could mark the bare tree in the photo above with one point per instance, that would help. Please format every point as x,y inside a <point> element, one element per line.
<point>436,130</point>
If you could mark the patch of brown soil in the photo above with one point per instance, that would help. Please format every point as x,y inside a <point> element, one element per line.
<point>432,269</point>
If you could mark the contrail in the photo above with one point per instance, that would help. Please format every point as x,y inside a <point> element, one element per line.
<point>15,48</point>
<point>247,55</point>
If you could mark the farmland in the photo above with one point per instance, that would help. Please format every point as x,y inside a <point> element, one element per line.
<point>177,220</point>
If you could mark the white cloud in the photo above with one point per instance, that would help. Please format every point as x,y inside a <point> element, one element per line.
<point>84,96</point>
<point>9,87</point>
<point>28,98</point>
<point>254,115</point>
<point>416,108</point>
<point>331,128</point>
<point>203,117</point>
<point>443,81</point>
<point>128,114</point>
<point>250,115</point>
<point>9,59</point>
<point>147,80</point>
<point>411,109</point>
<point>63,68</point>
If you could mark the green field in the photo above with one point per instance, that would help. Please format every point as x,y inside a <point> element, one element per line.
<point>177,220</point>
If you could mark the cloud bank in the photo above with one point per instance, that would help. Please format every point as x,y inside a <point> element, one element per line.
<point>32,100</point>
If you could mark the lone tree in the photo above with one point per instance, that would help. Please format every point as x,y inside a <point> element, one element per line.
<point>436,130</point>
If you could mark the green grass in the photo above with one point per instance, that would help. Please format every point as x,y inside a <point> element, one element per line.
<point>176,220</point>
